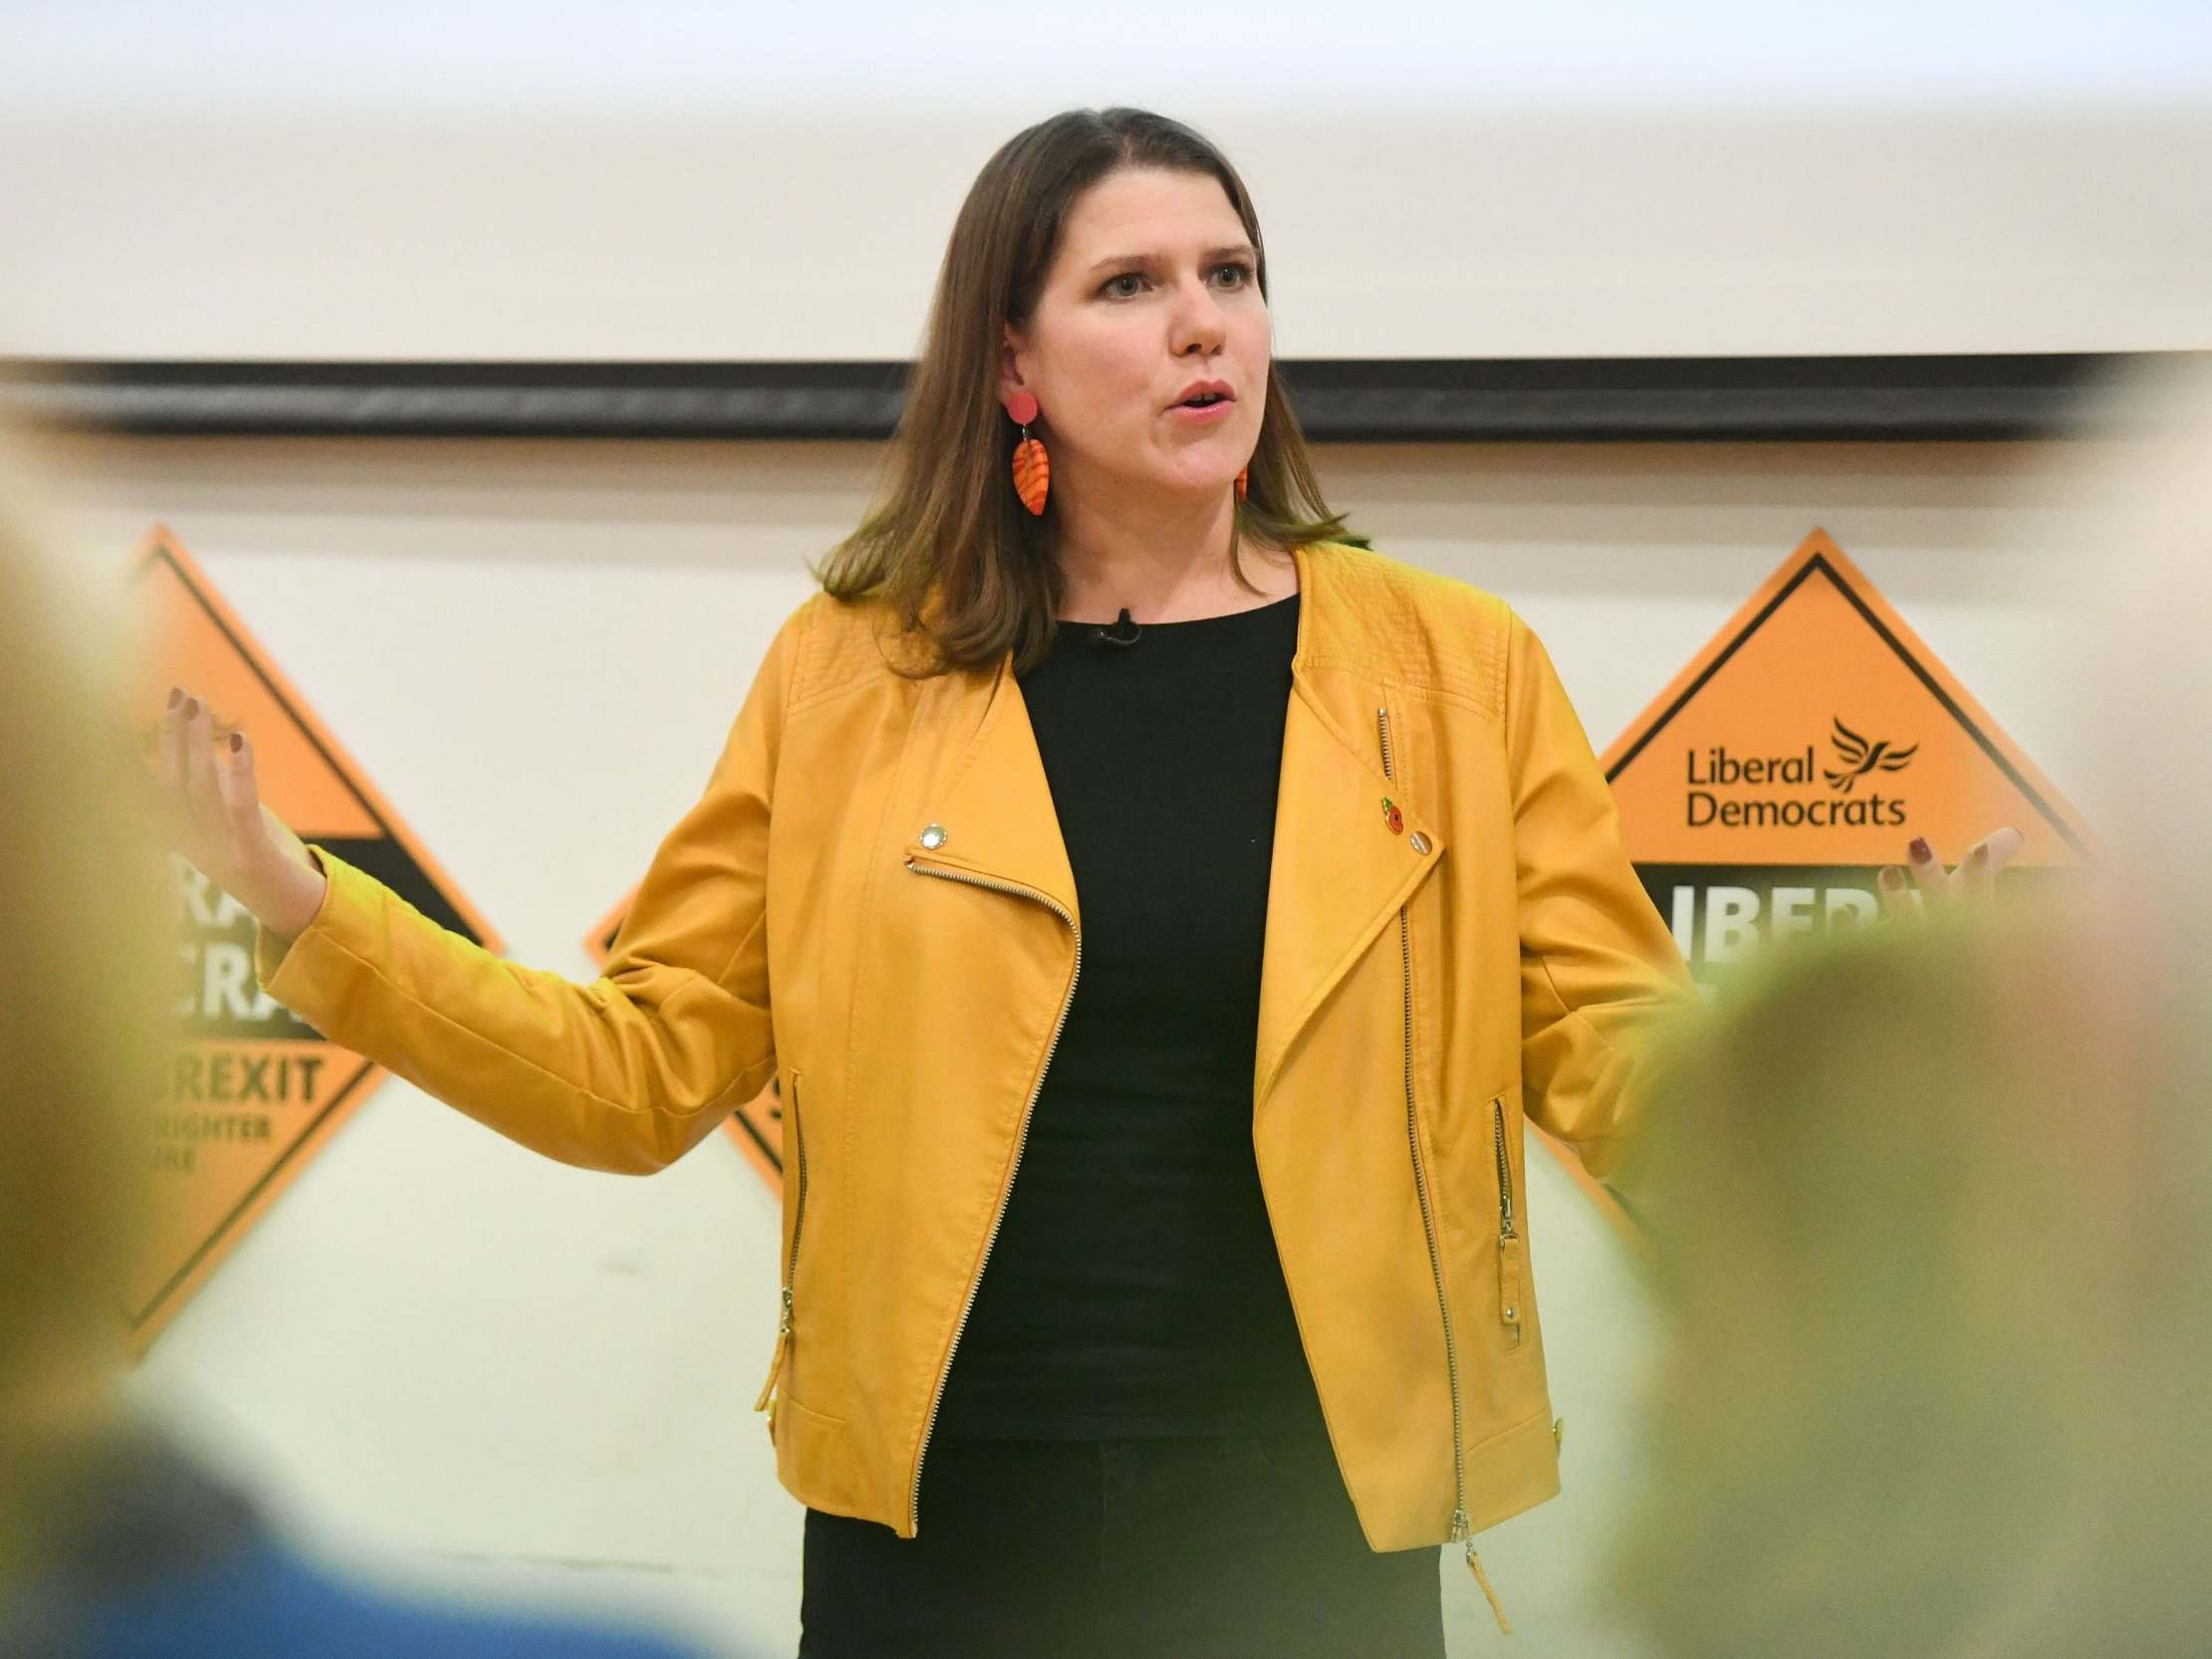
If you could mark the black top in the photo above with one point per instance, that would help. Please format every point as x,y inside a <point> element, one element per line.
<point>1134,1287</point>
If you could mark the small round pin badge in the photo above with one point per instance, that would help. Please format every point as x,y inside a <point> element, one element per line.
<point>1392,816</point>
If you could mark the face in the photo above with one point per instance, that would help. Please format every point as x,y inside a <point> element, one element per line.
<point>1154,291</point>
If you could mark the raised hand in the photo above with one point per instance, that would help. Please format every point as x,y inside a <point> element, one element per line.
<point>1974,880</point>
<point>212,815</point>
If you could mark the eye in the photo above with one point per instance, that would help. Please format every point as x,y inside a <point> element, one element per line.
<point>1239,270</point>
<point>1112,287</point>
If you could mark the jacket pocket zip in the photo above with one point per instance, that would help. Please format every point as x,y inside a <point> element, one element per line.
<point>1509,1259</point>
<point>791,1265</point>
<point>1021,1143</point>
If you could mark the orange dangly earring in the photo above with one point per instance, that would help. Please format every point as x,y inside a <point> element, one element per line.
<point>1033,468</point>
<point>1241,477</point>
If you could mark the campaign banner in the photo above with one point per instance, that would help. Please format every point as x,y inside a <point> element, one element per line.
<point>1764,790</point>
<point>253,1093</point>
<point>757,1127</point>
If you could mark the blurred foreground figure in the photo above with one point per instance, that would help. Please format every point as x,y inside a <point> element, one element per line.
<point>113,1543</point>
<point>1937,1216</point>
<point>1938,1211</point>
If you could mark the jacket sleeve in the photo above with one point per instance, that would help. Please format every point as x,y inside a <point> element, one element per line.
<point>627,1073</point>
<point>1597,966</point>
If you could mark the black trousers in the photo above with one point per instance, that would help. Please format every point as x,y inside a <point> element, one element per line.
<point>1210,1548</point>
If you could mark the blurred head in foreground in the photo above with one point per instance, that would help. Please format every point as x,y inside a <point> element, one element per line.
<point>113,1543</point>
<point>1936,1210</point>
<point>80,1040</point>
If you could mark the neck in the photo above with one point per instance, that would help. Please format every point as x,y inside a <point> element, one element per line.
<point>1167,559</point>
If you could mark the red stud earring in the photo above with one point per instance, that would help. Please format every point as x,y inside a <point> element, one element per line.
<point>1241,477</point>
<point>1033,468</point>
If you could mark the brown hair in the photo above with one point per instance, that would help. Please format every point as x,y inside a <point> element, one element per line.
<point>963,565</point>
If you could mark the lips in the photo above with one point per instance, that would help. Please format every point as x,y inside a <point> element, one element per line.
<point>1201,394</point>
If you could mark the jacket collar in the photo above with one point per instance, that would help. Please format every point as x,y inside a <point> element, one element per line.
<point>1340,870</point>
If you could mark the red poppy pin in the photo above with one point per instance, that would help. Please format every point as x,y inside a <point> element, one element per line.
<point>1392,816</point>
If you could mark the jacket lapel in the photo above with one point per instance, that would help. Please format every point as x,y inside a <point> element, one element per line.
<point>1339,873</point>
<point>1340,870</point>
<point>996,814</point>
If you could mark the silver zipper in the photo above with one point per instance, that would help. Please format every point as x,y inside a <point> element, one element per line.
<point>1460,1526</point>
<point>1021,1142</point>
<point>1504,1176</point>
<point>1510,1297</point>
<point>799,1217</point>
<point>786,1319</point>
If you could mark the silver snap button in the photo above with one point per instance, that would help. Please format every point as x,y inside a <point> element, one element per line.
<point>934,837</point>
<point>1417,842</point>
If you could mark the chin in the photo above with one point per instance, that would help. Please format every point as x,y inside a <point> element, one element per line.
<point>1196,479</point>
<point>1207,486</point>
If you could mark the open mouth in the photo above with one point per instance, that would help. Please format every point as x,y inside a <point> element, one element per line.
<point>1199,400</point>
<point>1205,395</point>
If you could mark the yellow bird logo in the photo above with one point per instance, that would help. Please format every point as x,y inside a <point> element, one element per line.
<point>1860,757</point>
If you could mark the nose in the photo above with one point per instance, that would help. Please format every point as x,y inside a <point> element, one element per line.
<point>1197,321</point>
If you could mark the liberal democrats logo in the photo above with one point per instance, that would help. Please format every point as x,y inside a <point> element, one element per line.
<point>1792,798</point>
<point>1857,757</point>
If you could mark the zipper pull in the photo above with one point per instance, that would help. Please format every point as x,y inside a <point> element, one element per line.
<point>1463,1532</point>
<point>1509,1285</point>
<point>783,1347</point>
<point>1497,1610</point>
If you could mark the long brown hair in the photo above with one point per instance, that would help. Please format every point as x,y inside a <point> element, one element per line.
<point>965,568</point>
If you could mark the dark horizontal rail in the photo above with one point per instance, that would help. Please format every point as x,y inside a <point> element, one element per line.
<point>1340,401</point>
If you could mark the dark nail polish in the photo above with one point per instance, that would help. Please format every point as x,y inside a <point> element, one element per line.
<point>191,707</point>
<point>176,696</point>
<point>1978,857</point>
<point>237,742</point>
<point>1892,876</point>
<point>1920,850</point>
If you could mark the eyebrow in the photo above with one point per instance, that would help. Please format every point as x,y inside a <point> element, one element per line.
<point>1235,250</point>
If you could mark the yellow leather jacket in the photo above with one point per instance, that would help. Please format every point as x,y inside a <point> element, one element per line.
<point>872,903</point>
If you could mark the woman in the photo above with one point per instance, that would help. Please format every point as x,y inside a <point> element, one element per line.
<point>1323,846</point>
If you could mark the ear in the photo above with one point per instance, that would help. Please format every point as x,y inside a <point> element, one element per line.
<point>1010,351</point>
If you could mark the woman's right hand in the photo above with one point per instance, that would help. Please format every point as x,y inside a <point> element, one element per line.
<point>1973,882</point>
<point>212,815</point>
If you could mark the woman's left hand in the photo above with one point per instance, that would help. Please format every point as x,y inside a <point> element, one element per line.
<point>1975,878</point>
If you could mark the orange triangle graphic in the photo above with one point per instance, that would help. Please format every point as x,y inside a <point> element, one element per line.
<point>1812,737</point>
<point>757,1127</point>
<point>253,1093</point>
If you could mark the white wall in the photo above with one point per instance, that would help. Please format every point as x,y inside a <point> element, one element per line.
<point>236,178</point>
<point>452,1361</point>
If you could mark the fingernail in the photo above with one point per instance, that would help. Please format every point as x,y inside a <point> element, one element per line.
<point>176,696</point>
<point>1919,850</point>
<point>237,742</point>
<point>1892,876</point>
<point>191,707</point>
<point>1978,857</point>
